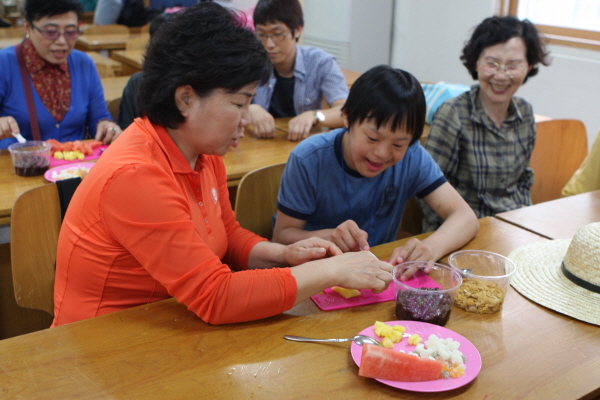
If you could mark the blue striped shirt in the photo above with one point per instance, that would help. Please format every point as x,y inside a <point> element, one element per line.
<point>487,165</point>
<point>317,76</point>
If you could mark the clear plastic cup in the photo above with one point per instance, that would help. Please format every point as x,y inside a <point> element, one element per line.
<point>31,158</point>
<point>485,281</point>
<point>425,297</point>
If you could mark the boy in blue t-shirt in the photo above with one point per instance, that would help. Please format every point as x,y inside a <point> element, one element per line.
<point>350,185</point>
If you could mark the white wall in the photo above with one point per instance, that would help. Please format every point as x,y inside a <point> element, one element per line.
<point>428,38</point>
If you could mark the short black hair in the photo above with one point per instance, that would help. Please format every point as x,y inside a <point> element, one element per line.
<point>159,21</point>
<point>37,9</point>
<point>287,11</point>
<point>206,47</point>
<point>386,94</point>
<point>495,30</point>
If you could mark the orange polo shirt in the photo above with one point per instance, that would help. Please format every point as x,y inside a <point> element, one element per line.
<point>143,226</point>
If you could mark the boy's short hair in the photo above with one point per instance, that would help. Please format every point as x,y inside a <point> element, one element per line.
<point>287,11</point>
<point>386,94</point>
<point>207,47</point>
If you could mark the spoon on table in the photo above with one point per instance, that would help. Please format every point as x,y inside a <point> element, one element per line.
<point>20,138</point>
<point>358,339</point>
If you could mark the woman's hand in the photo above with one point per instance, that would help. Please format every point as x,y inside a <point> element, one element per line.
<point>349,237</point>
<point>107,131</point>
<point>309,249</point>
<point>8,126</point>
<point>263,123</point>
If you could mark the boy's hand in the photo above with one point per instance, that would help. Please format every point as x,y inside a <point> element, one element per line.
<point>349,237</point>
<point>262,122</point>
<point>413,250</point>
<point>299,126</point>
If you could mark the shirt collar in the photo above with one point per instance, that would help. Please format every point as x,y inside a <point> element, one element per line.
<point>479,115</point>
<point>178,162</point>
<point>299,67</point>
<point>35,63</point>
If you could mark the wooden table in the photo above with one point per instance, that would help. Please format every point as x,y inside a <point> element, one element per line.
<point>161,350</point>
<point>351,76</point>
<point>557,219</point>
<point>98,58</point>
<point>132,60</point>
<point>7,42</point>
<point>103,42</point>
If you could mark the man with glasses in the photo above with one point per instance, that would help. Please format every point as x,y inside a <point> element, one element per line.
<point>303,76</point>
<point>48,90</point>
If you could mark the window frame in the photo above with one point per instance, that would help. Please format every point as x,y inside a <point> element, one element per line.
<point>558,35</point>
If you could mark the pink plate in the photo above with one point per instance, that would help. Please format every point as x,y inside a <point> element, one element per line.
<point>424,329</point>
<point>56,170</point>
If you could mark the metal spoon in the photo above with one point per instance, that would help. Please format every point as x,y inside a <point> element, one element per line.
<point>358,339</point>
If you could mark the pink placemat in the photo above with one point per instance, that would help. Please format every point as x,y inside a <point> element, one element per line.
<point>330,300</point>
<point>94,156</point>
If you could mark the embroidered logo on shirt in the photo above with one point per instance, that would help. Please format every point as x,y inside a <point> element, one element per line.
<point>215,195</point>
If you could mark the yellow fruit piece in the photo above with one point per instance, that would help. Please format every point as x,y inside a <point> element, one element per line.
<point>346,293</point>
<point>59,155</point>
<point>394,335</point>
<point>387,343</point>
<point>80,156</point>
<point>414,339</point>
<point>399,328</point>
<point>381,329</point>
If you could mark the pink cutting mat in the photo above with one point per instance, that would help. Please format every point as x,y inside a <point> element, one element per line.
<point>94,156</point>
<point>330,300</point>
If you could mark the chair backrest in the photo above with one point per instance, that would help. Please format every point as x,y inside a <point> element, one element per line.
<point>112,29</point>
<point>561,146</point>
<point>113,108</point>
<point>256,200</point>
<point>137,43</point>
<point>105,70</point>
<point>35,224</point>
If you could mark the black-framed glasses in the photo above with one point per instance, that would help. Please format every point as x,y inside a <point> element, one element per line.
<point>275,37</point>
<point>52,33</point>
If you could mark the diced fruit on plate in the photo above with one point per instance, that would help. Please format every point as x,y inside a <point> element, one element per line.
<point>381,363</point>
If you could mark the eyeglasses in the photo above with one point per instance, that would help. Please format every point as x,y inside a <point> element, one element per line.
<point>53,33</point>
<point>511,69</point>
<point>275,37</point>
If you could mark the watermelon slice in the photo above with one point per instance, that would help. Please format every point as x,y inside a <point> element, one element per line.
<point>388,364</point>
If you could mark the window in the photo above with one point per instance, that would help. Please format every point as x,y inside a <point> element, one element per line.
<point>566,22</point>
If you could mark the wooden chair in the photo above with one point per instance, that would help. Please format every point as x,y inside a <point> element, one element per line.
<point>105,70</point>
<point>114,29</point>
<point>137,43</point>
<point>113,108</point>
<point>256,200</point>
<point>35,224</point>
<point>561,146</point>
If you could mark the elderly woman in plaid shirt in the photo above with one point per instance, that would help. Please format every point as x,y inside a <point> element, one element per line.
<point>483,139</point>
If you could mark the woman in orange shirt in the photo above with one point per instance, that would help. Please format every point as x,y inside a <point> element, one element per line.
<point>153,218</point>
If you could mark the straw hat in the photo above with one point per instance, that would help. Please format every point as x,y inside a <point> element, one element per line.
<point>563,275</point>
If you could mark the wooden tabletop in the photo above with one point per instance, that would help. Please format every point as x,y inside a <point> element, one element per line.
<point>103,41</point>
<point>557,219</point>
<point>98,58</point>
<point>133,60</point>
<point>7,42</point>
<point>161,350</point>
